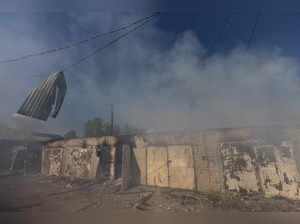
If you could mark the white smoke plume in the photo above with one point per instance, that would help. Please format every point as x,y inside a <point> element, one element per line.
<point>153,81</point>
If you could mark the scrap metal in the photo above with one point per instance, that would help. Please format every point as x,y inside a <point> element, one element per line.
<point>40,101</point>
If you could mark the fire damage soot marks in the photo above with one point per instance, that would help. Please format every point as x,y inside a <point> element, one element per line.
<point>217,166</point>
<point>210,161</point>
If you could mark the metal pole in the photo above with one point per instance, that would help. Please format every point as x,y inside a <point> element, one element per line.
<point>112,121</point>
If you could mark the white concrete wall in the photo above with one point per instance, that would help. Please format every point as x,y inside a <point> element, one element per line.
<point>205,164</point>
<point>280,177</point>
<point>76,158</point>
<point>243,166</point>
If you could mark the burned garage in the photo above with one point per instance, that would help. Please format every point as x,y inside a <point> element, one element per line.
<point>23,152</point>
<point>161,109</point>
<point>208,161</point>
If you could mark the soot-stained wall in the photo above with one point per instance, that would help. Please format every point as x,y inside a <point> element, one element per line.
<point>214,161</point>
<point>207,161</point>
<point>81,158</point>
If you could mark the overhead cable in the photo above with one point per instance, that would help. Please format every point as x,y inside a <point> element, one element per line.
<point>75,44</point>
<point>227,25</point>
<point>110,43</point>
<point>258,16</point>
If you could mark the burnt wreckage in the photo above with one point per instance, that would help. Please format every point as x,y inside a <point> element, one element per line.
<point>40,101</point>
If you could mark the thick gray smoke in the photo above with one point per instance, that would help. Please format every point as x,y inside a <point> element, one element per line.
<point>153,83</point>
<point>180,88</point>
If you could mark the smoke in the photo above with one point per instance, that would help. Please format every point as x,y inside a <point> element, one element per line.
<point>153,81</point>
<point>180,87</point>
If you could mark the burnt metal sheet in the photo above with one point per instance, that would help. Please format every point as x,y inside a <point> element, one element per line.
<point>40,101</point>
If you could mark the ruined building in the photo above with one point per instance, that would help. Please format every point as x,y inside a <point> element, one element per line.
<point>246,160</point>
<point>22,151</point>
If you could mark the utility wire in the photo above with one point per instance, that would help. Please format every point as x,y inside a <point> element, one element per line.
<point>75,44</point>
<point>110,43</point>
<point>228,24</point>
<point>258,16</point>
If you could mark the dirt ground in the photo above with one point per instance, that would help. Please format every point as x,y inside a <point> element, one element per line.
<point>39,199</point>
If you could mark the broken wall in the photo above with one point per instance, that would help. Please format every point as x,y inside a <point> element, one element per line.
<point>239,170</point>
<point>217,161</point>
<point>167,162</point>
<point>278,171</point>
<point>16,155</point>
<point>248,167</point>
<point>6,147</point>
<point>294,137</point>
<point>80,158</point>
<point>209,161</point>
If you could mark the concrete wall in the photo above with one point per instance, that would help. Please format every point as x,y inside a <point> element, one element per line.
<point>207,163</point>
<point>188,166</point>
<point>214,162</point>
<point>157,166</point>
<point>181,167</point>
<point>78,158</point>
<point>210,161</point>
<point>239,170</point>
<point>16,155</point>
<point>6,148</point>
<point>278,173</point>
<point>248,167</point>
<point>294,137</point>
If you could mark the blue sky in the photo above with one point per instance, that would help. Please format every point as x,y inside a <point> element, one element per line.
<point>277,24</point>
<point>187,69</point>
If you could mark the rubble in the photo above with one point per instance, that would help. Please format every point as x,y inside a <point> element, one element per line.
<point>86,195</point>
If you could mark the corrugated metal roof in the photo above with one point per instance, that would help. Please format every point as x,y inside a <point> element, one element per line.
<point>40,101</point>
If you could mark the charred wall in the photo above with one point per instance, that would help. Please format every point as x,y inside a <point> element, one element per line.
<point>226,160</point>
<point>86,158</point>
<point>6,148</point>
<point>242,160</point>
<point>17,155</point>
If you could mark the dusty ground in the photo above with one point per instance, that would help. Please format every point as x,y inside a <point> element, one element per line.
<point>38,199</point>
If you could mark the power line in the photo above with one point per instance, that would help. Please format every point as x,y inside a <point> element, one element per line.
<point>237,12</point>
<point>109,43</point>
<point>258,16</point>
<point>228,24</point>
<point>75,44</point>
